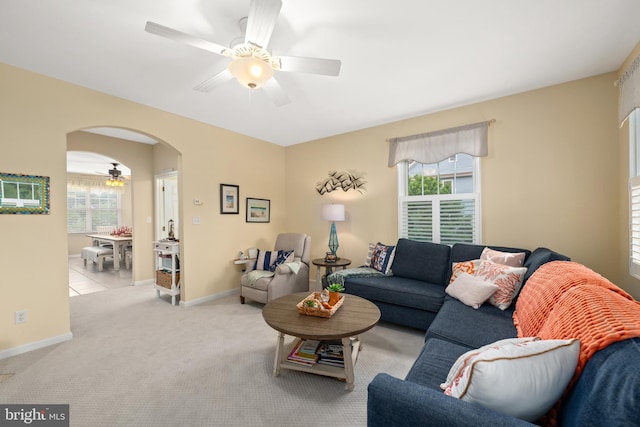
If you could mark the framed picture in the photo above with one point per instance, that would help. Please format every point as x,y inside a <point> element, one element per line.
<point>258,210</point>
<point>24,194</point>
<point>229,199</point>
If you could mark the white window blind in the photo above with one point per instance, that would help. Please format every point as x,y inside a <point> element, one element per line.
<point>634,229</point>
<point>445,219</point>
<point>634,193</point>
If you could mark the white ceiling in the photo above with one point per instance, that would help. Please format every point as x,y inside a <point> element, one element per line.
<point>400,59</point>
<point>86,163</point>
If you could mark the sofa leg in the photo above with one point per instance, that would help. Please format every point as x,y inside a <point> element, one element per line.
<point>241,299</point>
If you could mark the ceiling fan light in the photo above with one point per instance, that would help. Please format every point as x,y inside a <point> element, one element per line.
<point>250,72</point>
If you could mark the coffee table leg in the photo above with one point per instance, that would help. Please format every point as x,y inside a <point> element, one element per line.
<point>279,351</point>
<point>348,363</point>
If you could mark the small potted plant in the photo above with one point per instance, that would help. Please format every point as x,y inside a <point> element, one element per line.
<point>334,293</point>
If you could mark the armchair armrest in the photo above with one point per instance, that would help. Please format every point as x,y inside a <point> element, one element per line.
<point>395,402</point>
<point>283,269</point>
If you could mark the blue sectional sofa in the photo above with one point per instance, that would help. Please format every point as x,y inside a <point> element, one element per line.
<point>606,393</point>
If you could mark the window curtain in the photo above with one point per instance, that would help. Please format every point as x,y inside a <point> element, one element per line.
<point>628,91</point>
<point>95,182</point>
<point>434,147</point>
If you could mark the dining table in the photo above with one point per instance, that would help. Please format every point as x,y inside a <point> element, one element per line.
<point>119,243</point>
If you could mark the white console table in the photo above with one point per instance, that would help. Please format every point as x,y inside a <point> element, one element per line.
<point>167,250</point>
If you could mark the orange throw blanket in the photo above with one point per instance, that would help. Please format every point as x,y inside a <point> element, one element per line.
<point>545,287</point>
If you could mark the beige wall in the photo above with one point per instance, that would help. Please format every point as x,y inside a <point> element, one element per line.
<point>36,115</point>
<point>549,179</point>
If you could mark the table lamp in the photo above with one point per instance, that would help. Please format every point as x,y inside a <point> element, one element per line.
<point>333,213</point>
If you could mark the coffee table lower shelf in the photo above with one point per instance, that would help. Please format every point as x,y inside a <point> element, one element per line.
<point>346,373</point>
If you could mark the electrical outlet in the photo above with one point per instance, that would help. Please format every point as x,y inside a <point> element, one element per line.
<point>21,317</point>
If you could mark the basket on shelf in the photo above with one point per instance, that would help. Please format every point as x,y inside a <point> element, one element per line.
<point>163,278</point>
<point>318,310</point>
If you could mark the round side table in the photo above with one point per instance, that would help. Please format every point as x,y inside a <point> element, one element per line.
<point>329,266</point>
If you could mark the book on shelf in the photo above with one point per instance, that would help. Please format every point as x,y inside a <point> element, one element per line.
<point>304,352</point>
<point>331,353</point>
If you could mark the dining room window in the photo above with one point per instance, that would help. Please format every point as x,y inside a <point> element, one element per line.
<point>91,204</point>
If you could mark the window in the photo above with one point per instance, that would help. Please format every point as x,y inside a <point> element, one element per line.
<point>634,193</point>
<point>91,205</point>
<point>440,202</point>
<point>20,194</point>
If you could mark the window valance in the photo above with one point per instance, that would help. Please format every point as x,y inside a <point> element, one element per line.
<point>434,147</point>
<point>628,91</point>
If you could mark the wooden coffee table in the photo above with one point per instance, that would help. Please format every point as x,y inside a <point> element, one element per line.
<point>355,316</point>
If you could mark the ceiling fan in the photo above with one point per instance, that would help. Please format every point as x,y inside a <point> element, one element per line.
<point>115,178</point>
<point>252,65</point>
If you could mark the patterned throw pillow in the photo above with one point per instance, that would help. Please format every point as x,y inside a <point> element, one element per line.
<point>382,258</point>
<point>270,260</point>
<point>521,379</point>
<point>508,279</point>
<point>367,260</point>
<point>512,259</point>
<point>470,290</point>
<point>470,267</point>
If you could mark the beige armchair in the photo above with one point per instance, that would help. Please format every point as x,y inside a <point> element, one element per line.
<point>284,281</point>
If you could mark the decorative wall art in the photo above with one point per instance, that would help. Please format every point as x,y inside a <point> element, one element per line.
<point>344,180</point>
<point>258,210</point>
<point>229,199</point>
<point>24,194</point>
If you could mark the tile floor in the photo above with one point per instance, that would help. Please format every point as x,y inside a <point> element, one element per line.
<point>87,279</point>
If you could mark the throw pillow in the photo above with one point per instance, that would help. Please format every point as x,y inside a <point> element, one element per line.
<point>508,279</point>
<point>367,261</point>
<point>382,257</point>
<point>505,258</point>
<point>268,259</point>
<point>283,256</point>
<point>470,267</point>
<point>523,380</point>
<point>471,290</point>
<point>465,359</point>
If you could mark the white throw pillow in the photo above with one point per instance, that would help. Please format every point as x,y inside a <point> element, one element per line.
<point>468,357</point>
<point>512,259</point>
<point>523,380</point>
<point>471,290</point>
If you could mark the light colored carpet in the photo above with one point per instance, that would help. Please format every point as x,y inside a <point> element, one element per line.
<point>136,360</point>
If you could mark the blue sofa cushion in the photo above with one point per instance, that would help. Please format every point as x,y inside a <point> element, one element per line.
<point>539,257</point>
<point>466,252</point>
<point>428,262</point>
<point>398,290</point>
<point>608,390</point>
<point>436,359</point>
<point>473,328</point>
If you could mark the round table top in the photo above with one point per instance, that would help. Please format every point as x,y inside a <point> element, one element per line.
<point>355,316</point>
<point>341,262</point>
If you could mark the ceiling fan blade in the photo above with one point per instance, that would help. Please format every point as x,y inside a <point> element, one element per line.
<point>170,33</point>
<point>275,92</point>
<point>262,19</point>
<point>214,81</point>
<point>328,67</point>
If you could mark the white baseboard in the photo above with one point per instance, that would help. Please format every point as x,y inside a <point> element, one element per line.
<point>143,282</point>
<point>210,297</point>
<point>10,352</point>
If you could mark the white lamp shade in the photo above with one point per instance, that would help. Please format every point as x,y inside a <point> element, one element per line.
<point>250,72</point>
<point>333,212</point>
